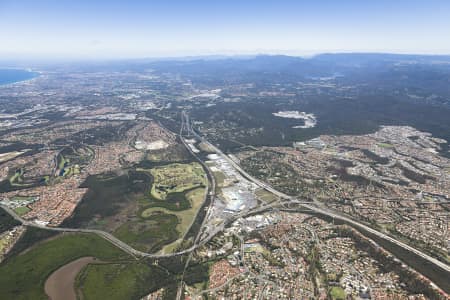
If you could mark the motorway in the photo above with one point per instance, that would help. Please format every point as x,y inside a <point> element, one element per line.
<point>325,211</point>
<point>127,248</point>
<point>213,231</point>
<point>112,239</point>
<point>118,243</point>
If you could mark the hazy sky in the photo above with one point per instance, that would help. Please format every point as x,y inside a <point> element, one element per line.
<point>108,28</point>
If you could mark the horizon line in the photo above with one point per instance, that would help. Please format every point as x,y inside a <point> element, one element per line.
<point>224,55</point>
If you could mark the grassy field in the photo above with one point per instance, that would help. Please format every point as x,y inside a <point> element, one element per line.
<point>17,176</point>
<point>17,181</point>
<point>21,210</point>
<point>337,293</point>
<point>3,243</point>
<point>173,153</point>
<point>125,206</point>
<point>206,148</point>
<point>71,158</point>
<point>62,161</point>
<point>175,178</point>
<point>23,276</point>
<point>149,234</point>
<point>66,168</point>
<point>385,145</point>
<point>265,196</point>
<point>177,192</point>
<point>218,175</point>
<point>185,217</point>
<point>220,178</point>
<point>120,281</point>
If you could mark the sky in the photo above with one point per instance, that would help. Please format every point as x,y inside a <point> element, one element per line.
<point>138,29</point>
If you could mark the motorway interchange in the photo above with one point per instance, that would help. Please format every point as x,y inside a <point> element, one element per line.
<point>208,231</point>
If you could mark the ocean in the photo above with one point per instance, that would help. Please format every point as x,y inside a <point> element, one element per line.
<point>8,76</point>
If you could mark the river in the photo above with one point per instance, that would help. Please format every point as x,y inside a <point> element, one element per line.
<point>60,285</point>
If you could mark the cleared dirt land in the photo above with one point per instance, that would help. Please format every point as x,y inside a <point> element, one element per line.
<point>61,283</point>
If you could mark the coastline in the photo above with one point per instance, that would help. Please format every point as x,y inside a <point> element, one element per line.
<point>35,75</point>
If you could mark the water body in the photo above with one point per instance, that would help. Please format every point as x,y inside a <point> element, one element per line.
<point>8,76</point>
<point>61,283</point>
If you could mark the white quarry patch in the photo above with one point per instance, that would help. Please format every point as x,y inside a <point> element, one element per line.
<point>10,155</point>
<point>114,116</point>
<point>309,119</point>
<point>156,145</point>
<point>214,169</point>
<point>213,156</point>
